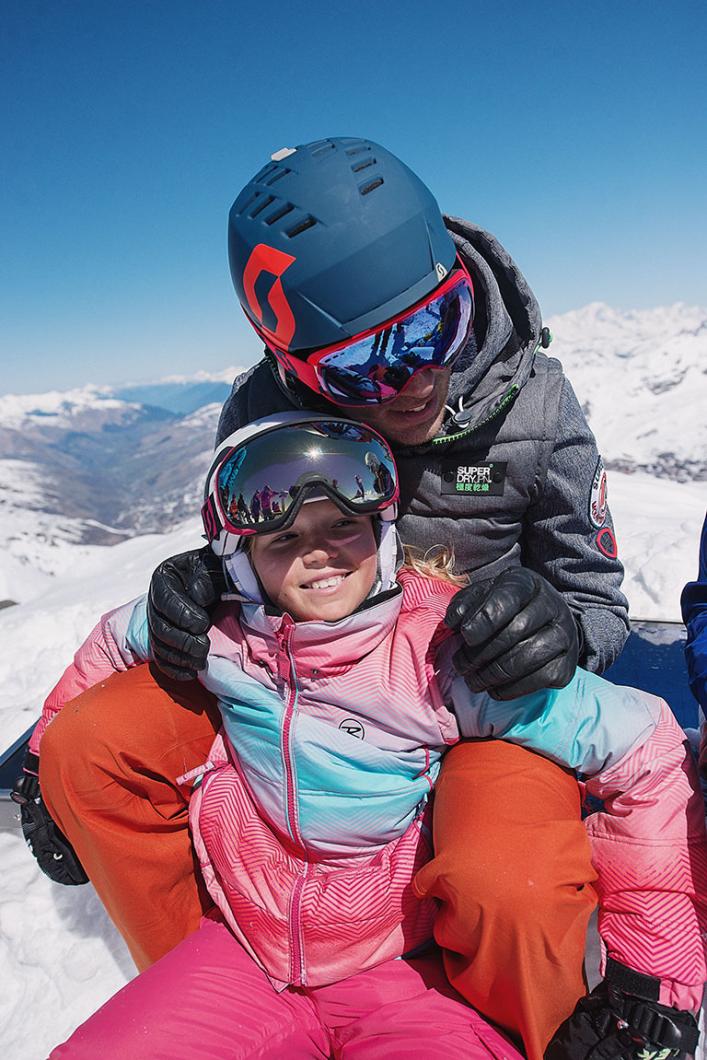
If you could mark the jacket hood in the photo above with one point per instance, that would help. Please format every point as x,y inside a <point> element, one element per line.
<point>507,328</point>
<point>327,648</point>
<point>321,648</point>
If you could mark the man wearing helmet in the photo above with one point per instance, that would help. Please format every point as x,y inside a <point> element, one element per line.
<point>368,300</point>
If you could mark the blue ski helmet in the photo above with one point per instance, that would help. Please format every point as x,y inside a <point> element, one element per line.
<point>331,239</point>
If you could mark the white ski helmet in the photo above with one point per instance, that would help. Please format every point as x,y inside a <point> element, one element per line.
<point>262,474</point>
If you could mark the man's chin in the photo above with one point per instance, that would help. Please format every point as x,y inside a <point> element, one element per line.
<point>403,425</point>
<point>415,437</point>
<point>401,428</point>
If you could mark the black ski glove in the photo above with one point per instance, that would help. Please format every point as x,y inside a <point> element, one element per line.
<point>519,635</point>
<point>182,592</point>
<point>615,1024</point>
<point>54,853</point>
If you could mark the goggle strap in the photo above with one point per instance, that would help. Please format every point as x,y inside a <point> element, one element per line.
<point>284,521</point>
<point>210,519</point>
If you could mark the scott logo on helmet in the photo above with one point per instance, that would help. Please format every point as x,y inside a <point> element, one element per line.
<point>267,259</point>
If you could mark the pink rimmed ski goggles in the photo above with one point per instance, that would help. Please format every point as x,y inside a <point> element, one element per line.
<point>259,485</point>
<point>373,368</point>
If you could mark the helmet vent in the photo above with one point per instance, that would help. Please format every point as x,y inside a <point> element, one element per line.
<point>322,148</point>
<point>363,164</point>
<point>266,171</point>
<point>298,229</point>
<point>371,186</point>
<point>281,212</point>
<point>357,149</point>
<point>247,204</point>
<point>281,172</point>
<point>266,201</point>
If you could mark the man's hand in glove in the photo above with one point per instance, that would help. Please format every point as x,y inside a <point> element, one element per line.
<point>612,1024</point>
<point>519,635</point>
<point>183,590</point>
<point>53,851</point>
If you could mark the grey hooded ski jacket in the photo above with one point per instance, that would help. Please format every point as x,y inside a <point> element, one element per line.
<point>514,477</point>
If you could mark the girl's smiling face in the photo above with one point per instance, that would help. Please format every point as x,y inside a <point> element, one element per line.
<point>322,567</point>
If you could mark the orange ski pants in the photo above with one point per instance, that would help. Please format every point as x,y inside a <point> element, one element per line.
<point>512,868</point>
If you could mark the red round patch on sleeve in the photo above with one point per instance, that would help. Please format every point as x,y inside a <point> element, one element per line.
<point>606,543</point>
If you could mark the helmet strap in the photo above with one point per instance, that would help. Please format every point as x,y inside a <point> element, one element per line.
<point>297,393</point>
<point>390,557</point>
<point>242,574</point>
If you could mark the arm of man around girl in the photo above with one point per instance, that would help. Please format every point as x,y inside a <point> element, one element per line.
<point>519,635</point>
<point>184,590</point>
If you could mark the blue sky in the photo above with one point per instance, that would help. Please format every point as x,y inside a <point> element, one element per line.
<point>575,132</point>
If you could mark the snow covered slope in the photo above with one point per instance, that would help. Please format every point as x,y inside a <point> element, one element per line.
<point>87,467</point>
<point>642,379</point>
<point>658,526</point>
<point>59,954</point>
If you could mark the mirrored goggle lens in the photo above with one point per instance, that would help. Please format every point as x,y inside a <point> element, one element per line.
<point>259,482</point>
<point>376,368</point>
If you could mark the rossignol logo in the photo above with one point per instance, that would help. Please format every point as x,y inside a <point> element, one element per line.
<point>353,728</point>
<point>459,476</point>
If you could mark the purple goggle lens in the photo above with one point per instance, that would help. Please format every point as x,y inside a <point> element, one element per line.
<point>261,484</point>
<point>375,368</point>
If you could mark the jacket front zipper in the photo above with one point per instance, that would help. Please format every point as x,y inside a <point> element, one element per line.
<point>298,973</point>
<point>507,399</point>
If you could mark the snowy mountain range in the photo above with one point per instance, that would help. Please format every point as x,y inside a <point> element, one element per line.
<point>93,466</point>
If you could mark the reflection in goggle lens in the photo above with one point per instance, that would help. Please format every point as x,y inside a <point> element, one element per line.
<point>260,482</point>
<point>376,368</point>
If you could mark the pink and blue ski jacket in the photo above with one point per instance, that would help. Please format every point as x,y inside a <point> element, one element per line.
<point>312,814</point>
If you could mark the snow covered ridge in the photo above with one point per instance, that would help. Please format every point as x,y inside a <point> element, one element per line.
<point>226,375</point>
<point>84,468</point>
<point>60,408</point>
<point>57,407</point>
<point>641,376</point>
<point>91,466</point>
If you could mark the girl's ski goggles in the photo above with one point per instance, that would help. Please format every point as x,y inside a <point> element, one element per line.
<point>374,367</point>
<point>260,485</point>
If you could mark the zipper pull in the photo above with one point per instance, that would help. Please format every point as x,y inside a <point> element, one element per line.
<point>284,639</point>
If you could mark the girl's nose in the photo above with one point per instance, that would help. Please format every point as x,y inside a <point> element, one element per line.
<point>318,554</point>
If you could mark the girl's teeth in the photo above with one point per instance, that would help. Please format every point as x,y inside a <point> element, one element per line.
<point>328,583</point>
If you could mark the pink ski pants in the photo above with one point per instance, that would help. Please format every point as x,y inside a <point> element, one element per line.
<point>208,998</point>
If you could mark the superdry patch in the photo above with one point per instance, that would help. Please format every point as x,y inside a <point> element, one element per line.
<point>606,542</point>
<point>487,478</point>
<point>597,496</point>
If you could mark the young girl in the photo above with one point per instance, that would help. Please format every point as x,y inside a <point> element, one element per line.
<point>311,817</point>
